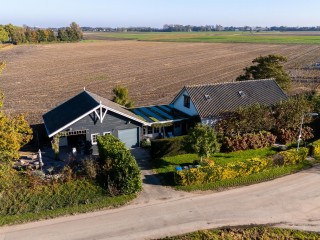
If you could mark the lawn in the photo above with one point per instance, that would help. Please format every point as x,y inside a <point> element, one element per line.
<point>165,169</point>
<point>216,37</point>
<point>168,164</point>
<point>259,232</point>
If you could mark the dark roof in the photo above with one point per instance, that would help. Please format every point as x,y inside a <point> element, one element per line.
<point>78,106</point>
<point>159,113</point>
<point>212,100</point>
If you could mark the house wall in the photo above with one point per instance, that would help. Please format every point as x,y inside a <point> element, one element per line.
<point>112,122</point>
<point>178,104</point>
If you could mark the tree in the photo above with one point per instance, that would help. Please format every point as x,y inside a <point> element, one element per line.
<point>4,37</point>
<point>62,35</point>
<point>203,140</point>
<point>267,67</point>
<point>74,32</point>
<point>121,96</point>
<point>14,133</point>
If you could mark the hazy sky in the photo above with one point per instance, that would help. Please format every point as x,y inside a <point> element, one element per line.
<point>156,13</point>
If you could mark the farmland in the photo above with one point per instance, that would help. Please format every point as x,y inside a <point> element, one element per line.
<point>213,37</point>
<point>38,77</point>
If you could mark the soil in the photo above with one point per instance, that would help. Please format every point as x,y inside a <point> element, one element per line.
<point>39,77</point>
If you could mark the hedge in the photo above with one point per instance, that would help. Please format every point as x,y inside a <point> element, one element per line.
<point>315,148</point>
<point>167,147</point>
<point>207,174</point>
<point>248,141</point>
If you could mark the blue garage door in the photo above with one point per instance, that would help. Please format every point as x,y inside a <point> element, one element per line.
<point>129,137</point>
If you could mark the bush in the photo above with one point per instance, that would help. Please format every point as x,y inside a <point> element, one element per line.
<point>293,156</point>
<point>120,171</point>
<point>248,141</point>
<point>288,136</point>
<point>21,192</point>
<point>214,173</point>
<point>167,147</point>
<point>315,148</point>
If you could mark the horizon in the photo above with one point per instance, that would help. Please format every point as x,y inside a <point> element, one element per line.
<point>150,13</point>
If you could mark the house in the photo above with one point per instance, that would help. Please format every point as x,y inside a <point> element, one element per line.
<point>210,101</point>
<point>80,120</point>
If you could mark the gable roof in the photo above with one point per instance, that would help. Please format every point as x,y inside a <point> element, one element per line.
<point>214,99</point>
<point>78,107</point>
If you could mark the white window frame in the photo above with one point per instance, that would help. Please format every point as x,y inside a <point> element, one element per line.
<point>106,133</point>
<point>92,138</point>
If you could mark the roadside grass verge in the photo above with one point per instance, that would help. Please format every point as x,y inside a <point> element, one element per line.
<point>247,232</point>
<point>102,203</point>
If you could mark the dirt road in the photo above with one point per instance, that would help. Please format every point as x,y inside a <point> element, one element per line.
<point>292,201</point>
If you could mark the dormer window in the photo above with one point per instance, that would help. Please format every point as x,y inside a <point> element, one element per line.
<point>186,101</point>
<point>242,93</point>
<point>207,97</point>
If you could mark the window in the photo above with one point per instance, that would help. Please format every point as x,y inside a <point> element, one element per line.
<point>149,130</point>
<point>207,97</point>
<point>94,138</point>
<point>186,101</point>
<point>106,133</point>
<point>177,125</point>
<point>156,130</point>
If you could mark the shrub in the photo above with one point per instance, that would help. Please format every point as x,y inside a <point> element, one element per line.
<point>315,148</point>
<point>89,168</point>
<point>167,147</point>
<point>214,173</point>
<point>288,136</point>
<point>145,143</point>
<point>248,141</point>
<point>120,170</point>
<point>293,156</point>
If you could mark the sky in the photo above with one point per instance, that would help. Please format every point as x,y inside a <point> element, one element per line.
<point>156,13</point>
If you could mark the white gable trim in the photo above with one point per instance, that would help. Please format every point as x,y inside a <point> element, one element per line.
<point>101,117</point>
<point>74,121</point>
<point>125,115</point>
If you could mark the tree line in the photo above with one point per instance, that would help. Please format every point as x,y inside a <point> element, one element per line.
<point>202,28</point>
<point>17,35</point>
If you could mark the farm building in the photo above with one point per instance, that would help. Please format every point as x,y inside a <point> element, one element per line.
<point>79,121</point>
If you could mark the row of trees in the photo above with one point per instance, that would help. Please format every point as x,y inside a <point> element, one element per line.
<point>17,35</point>
<point>202,28</point>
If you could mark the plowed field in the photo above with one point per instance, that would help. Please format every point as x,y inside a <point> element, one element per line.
<point>39,77</point>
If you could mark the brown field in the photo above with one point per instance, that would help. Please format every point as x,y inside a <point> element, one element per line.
<point>38,77</point>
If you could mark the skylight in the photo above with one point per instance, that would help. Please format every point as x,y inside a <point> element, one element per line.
<point>242,93</point>
<point>207,97</point>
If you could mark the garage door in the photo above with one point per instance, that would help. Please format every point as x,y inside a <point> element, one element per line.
<point>129,137</point>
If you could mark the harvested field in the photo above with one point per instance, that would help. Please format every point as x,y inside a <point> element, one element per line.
<point>39,77</point>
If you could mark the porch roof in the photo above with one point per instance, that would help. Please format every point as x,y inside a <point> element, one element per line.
<point>159,114</point>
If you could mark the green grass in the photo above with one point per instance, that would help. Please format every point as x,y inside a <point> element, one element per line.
<point>168,164</point>
<point>103,203</point>
<point>217,37</point>
<point>257,232</point>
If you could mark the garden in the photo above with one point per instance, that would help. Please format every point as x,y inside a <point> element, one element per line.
<point>109,181</point>
<point>240,149</point>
